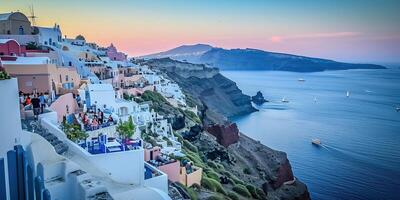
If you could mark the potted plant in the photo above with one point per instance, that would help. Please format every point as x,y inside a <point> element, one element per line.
<point>126,129</point>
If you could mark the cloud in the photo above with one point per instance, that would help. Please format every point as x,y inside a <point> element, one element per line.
<point>277,39</point>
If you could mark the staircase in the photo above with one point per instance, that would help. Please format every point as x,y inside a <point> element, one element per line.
<point>35,127</point>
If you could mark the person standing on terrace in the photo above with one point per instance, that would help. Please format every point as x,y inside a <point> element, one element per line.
<point>42,102</point>
<point>95,123</point>
<point>27,100</point>
<point>78,100</point>
<point>36,106</point>
<point>101,116</point>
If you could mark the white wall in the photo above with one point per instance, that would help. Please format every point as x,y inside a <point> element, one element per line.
<point>124,167</point>
<point>10,123</point>
<point>102,93</point>
<point>160,182</point>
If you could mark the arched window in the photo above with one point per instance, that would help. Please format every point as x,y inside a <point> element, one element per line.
<point>21,30</point>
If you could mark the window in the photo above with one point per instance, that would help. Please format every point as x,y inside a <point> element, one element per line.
<point>21,30</point>
<point>60,79</point>
<point>66,78</point>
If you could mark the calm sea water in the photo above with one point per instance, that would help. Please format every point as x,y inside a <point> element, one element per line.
<point>360,155</point>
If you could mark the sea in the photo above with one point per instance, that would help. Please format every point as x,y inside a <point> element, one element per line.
<point>359,156</point>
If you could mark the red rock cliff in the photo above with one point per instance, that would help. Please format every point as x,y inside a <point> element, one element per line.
<point>225,134</point>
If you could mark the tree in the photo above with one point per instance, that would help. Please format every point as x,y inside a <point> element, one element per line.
<point>32,46</point>
<point>126,129</point>
<point>74,132</point>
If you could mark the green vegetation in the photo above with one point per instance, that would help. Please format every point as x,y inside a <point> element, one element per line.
<point>233,178</point>
<point>128,97</point>
<point>32,46</point>
<point>179,136</point>
<point>194,157</point>
<point>233,196</point>
<point>261,194</point>
<point>252,191</point>
<point>190,146</point>
<point>156,98</point>
<point>212,185</point>
<point>73,132</point>
<point>192,193</point>
<point>3,74</point>
<point>126,129</point>
<point>213,175</point>
<point>190,101</point>
<point>215,198</point>
<point>242,190</point>
<point>191,115</point>
<point>247,170</point>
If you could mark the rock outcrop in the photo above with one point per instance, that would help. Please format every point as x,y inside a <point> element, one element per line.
<point>225,134</point>
<point>258,98</point>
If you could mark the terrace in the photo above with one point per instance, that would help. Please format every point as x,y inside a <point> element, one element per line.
<point>190,174</point>
<point>104,144</point>
<point>102,136</point>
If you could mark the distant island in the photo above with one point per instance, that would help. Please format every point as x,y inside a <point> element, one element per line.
<point>254,59</point>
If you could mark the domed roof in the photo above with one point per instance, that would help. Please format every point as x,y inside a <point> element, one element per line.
<point>80,37</point>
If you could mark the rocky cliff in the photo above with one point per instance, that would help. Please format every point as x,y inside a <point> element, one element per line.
<point>244,161</point>
<point>206,85</point>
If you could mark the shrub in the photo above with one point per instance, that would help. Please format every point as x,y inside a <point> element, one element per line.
<point>179,136</point>
<point>233,178</point>
<point>233,196</point>
<point>252,191</point>
<point>212,185</point>
<point>247,170</point>
<point>190,146</point>
<point>221,167</point>
<point>191,115</point>
<point>212,164</point>
<point>242,190</point>
<point>193,194</point>
<point>215,198</point>
<point>195,158</point>
<point>213,175</point>
<point>261,194</point>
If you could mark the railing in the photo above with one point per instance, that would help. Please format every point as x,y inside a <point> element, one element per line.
<point>22,183</point>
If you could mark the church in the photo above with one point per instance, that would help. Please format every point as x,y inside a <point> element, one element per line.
<point>15,23</point>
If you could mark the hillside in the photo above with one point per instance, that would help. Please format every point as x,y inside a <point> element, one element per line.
<point>253,59</point>
<point>218,146</point>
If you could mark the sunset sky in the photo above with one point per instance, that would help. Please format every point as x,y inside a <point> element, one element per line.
<point>353,31</point>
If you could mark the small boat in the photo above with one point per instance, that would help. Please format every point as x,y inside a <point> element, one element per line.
<point>348,94</point>
<point>397,109</point>
<point>301,80</point>
<point>315,99</point>
<point>316,142</point>
<point>284,100</point>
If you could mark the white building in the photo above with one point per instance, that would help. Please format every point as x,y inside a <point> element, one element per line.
<point>75,175</point>
<point>49,36</point>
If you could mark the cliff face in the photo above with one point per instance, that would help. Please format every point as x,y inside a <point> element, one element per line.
<point>217,98</point>
<point>219,93</point>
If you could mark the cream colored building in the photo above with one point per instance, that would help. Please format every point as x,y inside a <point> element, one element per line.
<point>38,74</point>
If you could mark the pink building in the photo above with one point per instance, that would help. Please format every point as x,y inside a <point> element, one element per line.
<point>169,166</point>
<point>113,54</point>
<point>65,104</point>
<point>10,47</point>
